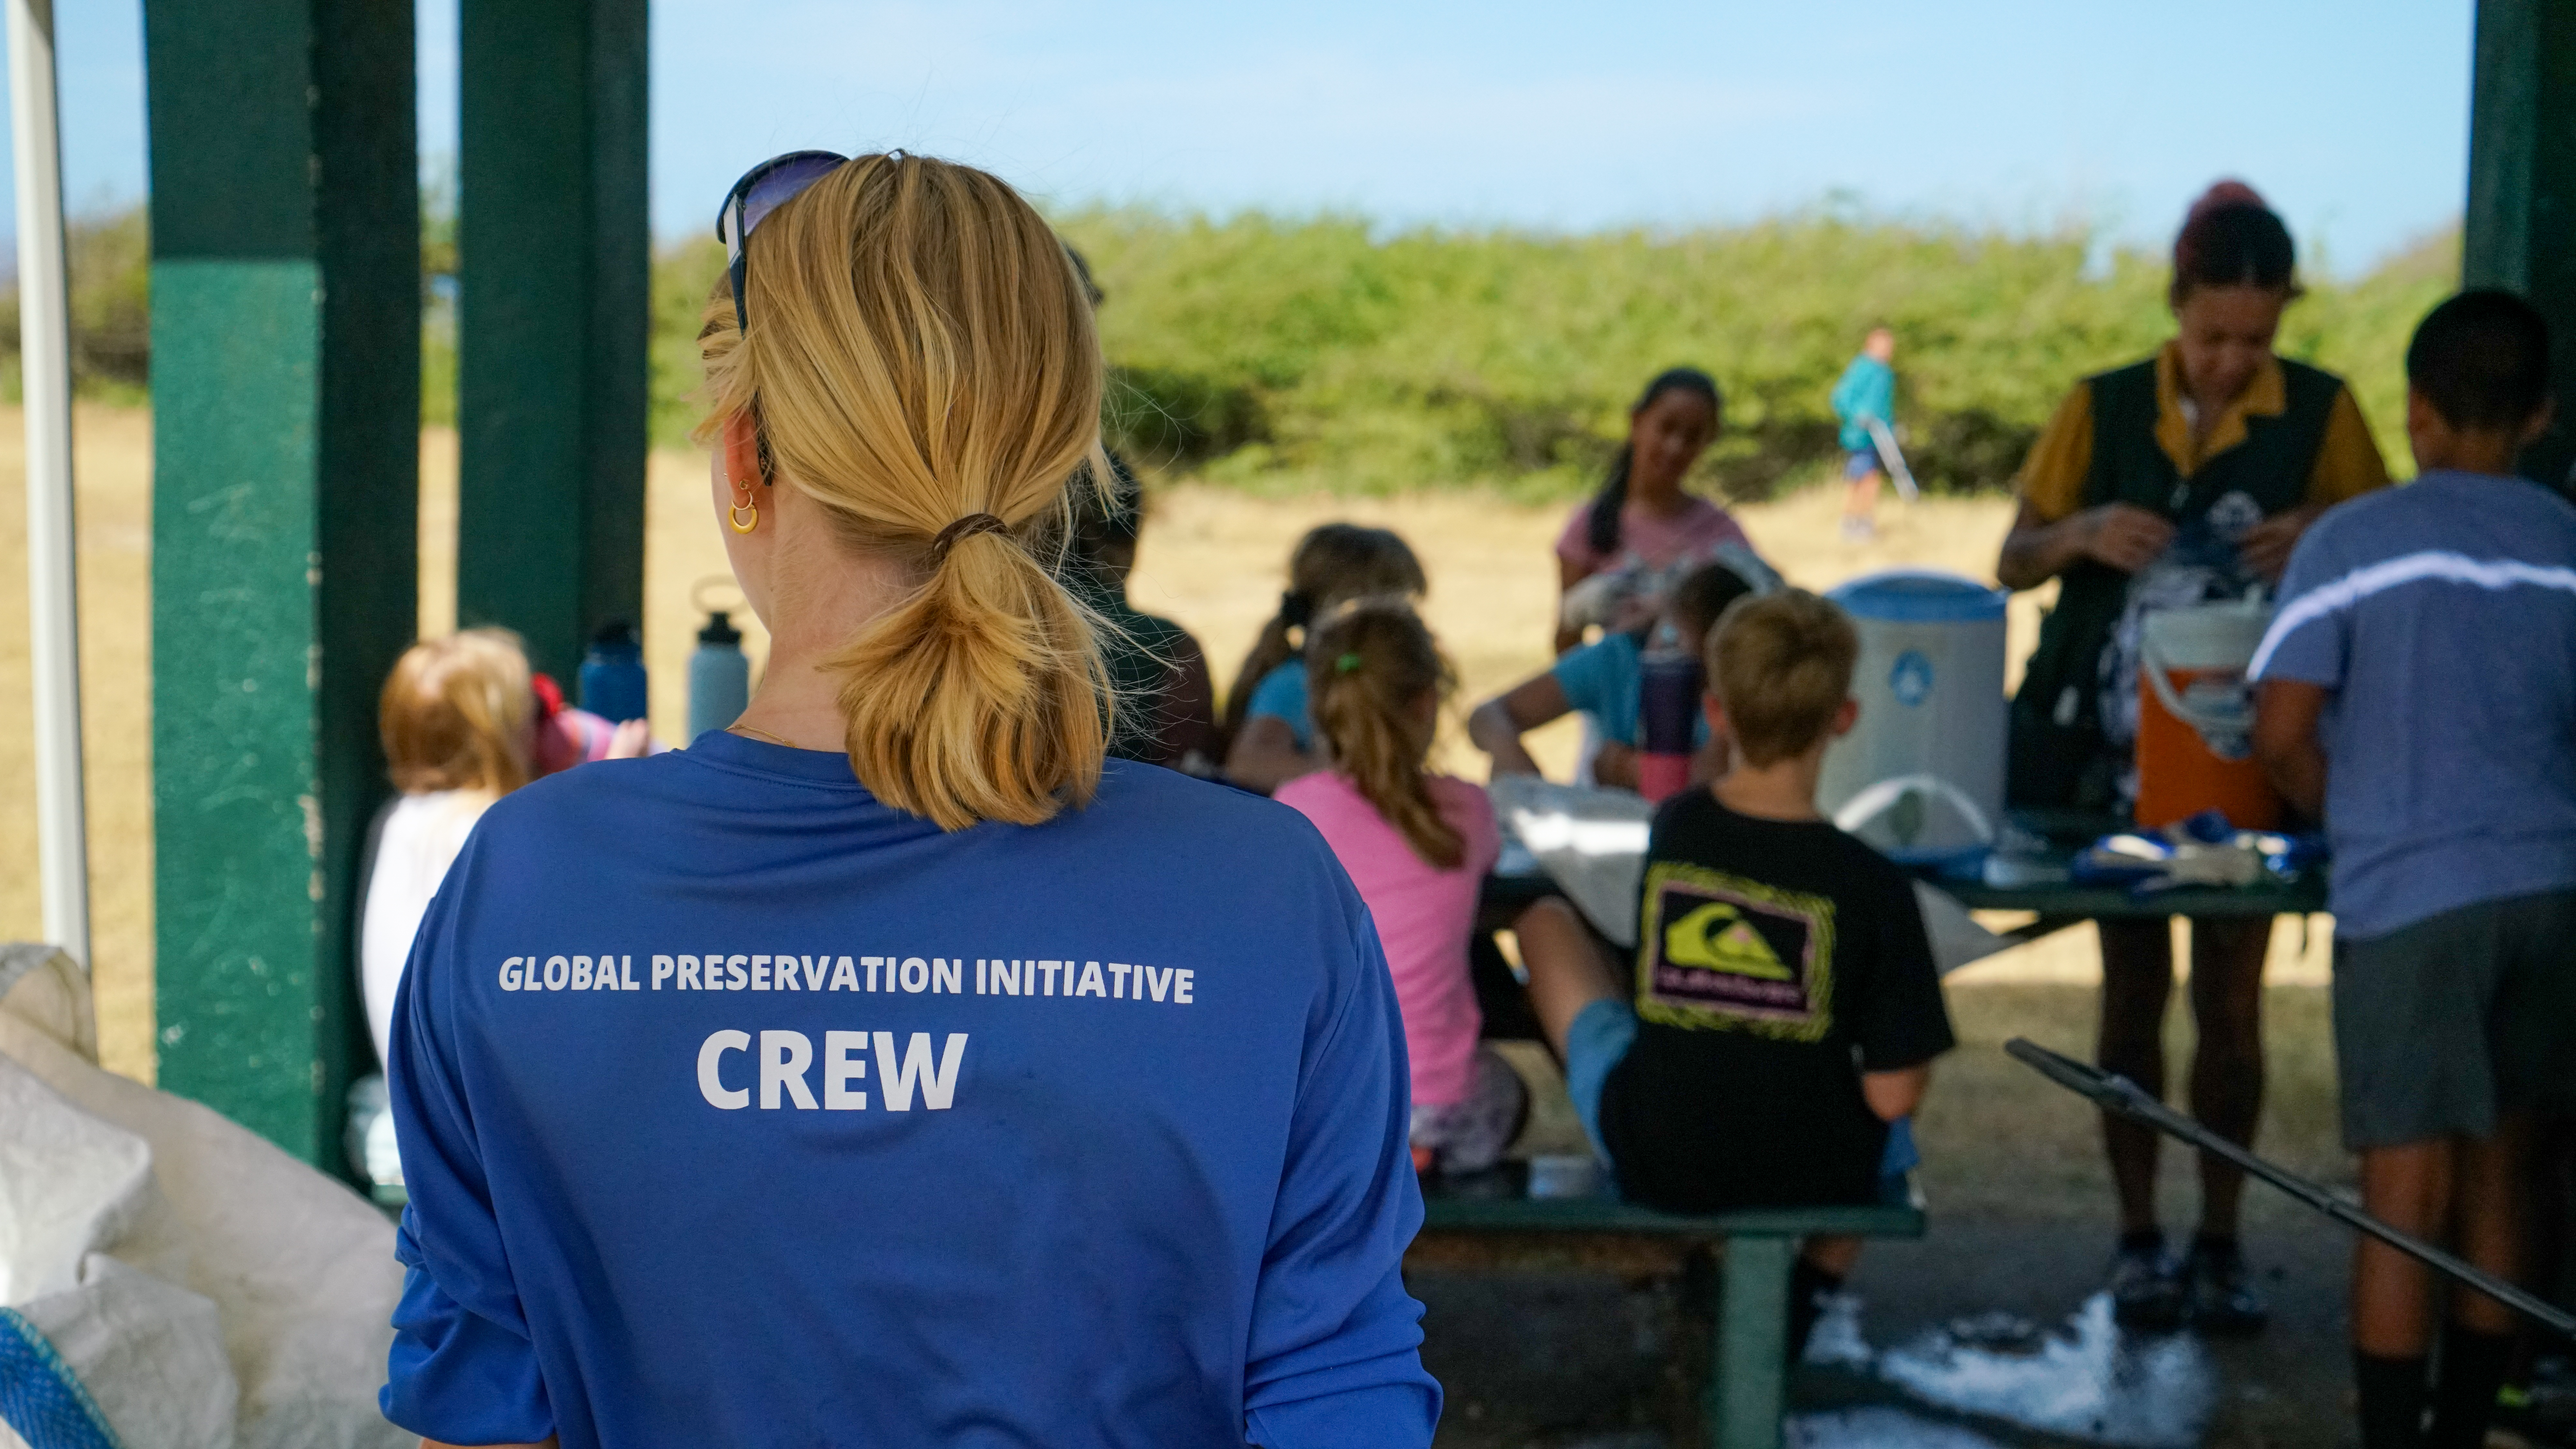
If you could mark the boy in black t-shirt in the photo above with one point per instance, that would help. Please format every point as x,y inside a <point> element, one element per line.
<point>1784,1008</point>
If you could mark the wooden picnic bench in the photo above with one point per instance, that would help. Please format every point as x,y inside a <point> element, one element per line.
<point>1477,1228</point>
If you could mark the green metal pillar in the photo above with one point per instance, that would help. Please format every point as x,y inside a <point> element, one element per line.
<point>1747,1391</point>
<point>2521,225</point>
<point>286,396</point>
<point>554,314</point>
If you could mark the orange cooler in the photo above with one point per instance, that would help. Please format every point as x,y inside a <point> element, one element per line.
<point>2196,717</point>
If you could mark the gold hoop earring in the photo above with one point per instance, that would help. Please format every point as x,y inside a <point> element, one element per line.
<point>734,515</point>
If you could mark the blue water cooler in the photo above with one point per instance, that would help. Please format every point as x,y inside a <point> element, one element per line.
<point>1921,775</point>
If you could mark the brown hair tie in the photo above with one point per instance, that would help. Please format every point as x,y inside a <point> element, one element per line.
<point>964,528</point>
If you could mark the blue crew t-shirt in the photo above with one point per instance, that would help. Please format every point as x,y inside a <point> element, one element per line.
<point>739,1108</point>
<point>2443,616</point>
<point>1606,680</point>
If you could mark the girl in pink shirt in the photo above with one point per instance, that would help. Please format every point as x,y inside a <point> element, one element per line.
<point>1417,845</point>
<point>1641,530</point>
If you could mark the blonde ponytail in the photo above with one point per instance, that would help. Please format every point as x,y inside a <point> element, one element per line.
<point>1367,671</point>
<point>922,356</point>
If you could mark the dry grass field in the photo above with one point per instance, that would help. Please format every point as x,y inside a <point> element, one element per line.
<point>2012,1163</point>
<point>1210,558</point>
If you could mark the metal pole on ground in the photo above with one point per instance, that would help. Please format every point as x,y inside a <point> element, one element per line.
<point>2118,1094</point>
<point>44,352</point>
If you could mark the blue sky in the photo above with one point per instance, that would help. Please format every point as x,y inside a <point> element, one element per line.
<point>2352,115</point>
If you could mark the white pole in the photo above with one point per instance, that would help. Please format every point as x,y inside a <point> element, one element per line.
<point>44,353</point>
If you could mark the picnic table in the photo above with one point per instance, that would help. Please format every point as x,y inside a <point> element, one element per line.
<point>1518,882</point>
<point>1491,1222</point>
<point>2055,906</point>
<point>1473,1226</point>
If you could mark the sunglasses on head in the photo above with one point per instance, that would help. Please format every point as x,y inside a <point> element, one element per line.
<point>763,189</point>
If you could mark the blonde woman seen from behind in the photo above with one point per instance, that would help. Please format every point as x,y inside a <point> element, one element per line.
<point>891,1068</point>
<point>1418,845</point>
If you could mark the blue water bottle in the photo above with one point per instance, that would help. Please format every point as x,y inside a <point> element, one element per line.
<point>719,676</point>
<point>612,674</point>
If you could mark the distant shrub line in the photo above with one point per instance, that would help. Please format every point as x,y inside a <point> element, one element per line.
<point>1302,354</point>
<point>1299,354</point>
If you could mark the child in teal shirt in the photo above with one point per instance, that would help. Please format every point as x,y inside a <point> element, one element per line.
<point>1865,395</point>
<point>1603,679</point>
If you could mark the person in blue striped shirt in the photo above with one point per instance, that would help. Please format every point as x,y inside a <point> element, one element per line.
<point>2418,690</point>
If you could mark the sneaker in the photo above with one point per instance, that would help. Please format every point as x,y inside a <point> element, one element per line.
<point>1857,529</point>
<point>2146,1293</point>
<point>2219,1300</point>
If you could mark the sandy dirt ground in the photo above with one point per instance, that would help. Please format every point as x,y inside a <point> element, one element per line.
<point>2011,1164</point>
<point>1210,558</point>
<point>112,457</point>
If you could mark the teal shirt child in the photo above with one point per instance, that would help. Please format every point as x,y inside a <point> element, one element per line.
<point>1867,391</point>
<point>1606,680</point>
<point>1281,694</point>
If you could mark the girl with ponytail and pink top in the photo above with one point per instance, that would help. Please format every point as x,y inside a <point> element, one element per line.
<point>1417,844</point>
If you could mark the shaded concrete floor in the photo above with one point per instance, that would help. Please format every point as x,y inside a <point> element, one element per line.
<point>2020,1232</point>
<point>2287,1388</point>
<point>1565,1360</point>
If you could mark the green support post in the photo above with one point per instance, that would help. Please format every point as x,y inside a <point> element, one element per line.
<point>2521,224</point>
<point>553,320</point>
<point>286,397</point>
<point>1747,1387</point>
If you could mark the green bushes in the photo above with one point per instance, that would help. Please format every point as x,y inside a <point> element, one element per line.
<point>107,260</point>
<point>1295,355</point>
<point>1360,363</point>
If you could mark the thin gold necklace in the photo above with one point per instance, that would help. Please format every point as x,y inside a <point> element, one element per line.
<point>756,732</point>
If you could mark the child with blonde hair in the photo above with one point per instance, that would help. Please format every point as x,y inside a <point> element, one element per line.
<point>1779,1020</point>
<point>458,718</point>
<point>1418,845</point>
<point>464,721</point>
<point>1267,716</point>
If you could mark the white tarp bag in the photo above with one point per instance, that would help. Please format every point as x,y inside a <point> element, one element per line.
<point>205,1288</point>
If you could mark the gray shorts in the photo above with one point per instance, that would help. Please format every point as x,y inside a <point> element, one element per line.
<point>1472,1135</point>
<point>2445,1024</point>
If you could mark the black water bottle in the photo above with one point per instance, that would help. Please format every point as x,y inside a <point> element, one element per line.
<point>1669,687</point>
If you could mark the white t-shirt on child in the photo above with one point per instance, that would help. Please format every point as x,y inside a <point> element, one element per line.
<point>421,837</point>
